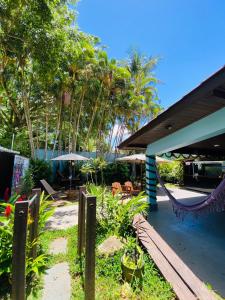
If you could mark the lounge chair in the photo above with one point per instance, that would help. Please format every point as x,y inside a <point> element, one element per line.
<point>130,189</point>
<point>56,195</point>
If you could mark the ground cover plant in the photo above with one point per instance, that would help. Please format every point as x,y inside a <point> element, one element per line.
<point>109,283</point>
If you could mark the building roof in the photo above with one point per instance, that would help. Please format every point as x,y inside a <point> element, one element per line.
<point>205,99</point>
<point>3,149</point>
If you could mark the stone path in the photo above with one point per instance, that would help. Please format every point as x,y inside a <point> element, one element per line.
<point>57,283</point>
<point>58,246</point>
<point>63,218</point>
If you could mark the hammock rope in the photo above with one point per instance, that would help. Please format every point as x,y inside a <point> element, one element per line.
<point>213,202</point>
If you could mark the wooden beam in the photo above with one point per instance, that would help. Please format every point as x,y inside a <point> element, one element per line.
<point>219,93</point>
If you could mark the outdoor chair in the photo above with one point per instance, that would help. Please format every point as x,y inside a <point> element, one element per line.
<point>55,195</point>
<point>117,188</point>
<point>130,189</point>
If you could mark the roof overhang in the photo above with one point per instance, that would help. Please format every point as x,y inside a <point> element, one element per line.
<point>204,100</point>
<point>3,149</point>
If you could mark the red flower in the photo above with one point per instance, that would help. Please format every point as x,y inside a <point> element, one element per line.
<point>8,211</point>
<point>19,199</point>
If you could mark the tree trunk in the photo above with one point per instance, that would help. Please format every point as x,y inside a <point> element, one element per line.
<point>46,131</point>
<point>78,119</point>
<point>70,122</point>
<point>57,124</point>
<point>93,115</point>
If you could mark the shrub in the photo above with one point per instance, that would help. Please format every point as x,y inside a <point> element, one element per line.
<point>172,172</point>
<point>114,217</point>
<point>116,172</point>
<point>40,169</point>
<point>27,183</point>
<point>33,266</point>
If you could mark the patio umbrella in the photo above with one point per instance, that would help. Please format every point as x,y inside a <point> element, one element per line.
<point>70,157</point>
<point>140,159</point>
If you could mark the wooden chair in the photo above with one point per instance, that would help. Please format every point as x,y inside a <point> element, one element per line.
<point>130,189</point>
<point>117,188</point>
<point>56,195</point>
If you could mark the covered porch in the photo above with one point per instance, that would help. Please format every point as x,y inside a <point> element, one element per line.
<point>198,240</point>
<point>195,125</point>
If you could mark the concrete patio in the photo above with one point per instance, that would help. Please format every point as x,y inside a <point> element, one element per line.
<point>199,241</point>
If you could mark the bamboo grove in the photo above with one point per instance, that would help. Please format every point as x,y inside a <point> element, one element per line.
<point>59,90</point>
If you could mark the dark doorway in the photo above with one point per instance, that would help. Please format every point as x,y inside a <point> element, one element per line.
<point>6,171</point>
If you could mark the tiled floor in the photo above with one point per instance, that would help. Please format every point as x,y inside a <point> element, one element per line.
<point>199,241</point>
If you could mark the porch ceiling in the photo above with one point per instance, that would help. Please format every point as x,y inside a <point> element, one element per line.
<point>214,146</point>
<point>205,99</point>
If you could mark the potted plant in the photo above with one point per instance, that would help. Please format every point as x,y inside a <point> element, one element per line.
<point>132,261</point>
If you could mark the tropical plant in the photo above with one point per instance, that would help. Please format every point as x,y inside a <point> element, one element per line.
<point>27,183</point>
<point>133,257</point>
<point>58,88</point>
<point>34,266</point>
<point>40,169</point>
<point>114,215</point>
<point>116,172</point>
<point>172,172</point>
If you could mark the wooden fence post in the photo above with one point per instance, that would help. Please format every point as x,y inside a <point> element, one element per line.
<point>34,225</point>
<point>81,221</point>
<point>89,284</point>
<point>19,251</point>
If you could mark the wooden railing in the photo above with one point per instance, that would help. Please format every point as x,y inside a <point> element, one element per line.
<point>87,239</point>
<point>22,209</point>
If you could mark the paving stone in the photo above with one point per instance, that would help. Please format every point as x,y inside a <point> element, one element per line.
<point>111,245</point>
<point>63,218</point>
<point>57,283</point>
<point>58,246</point>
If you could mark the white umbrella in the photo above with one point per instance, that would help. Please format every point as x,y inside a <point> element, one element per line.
<point>70,157</point>
<point>140,159</point>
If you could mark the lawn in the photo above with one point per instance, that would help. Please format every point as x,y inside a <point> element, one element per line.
<point>109,284</point>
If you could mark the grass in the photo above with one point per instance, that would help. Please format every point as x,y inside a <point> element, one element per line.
<point>171,185</point>
<point>109,284</point>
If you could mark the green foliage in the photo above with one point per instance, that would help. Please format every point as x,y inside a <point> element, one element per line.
<point>34,267</point>
<point>41,169</point>
<point>94,167</point>
<point>172,172</point>
<point>113,216</point>
<point>59,89</point>
<point>27,183</point>
<point>116,172</point>
<point>133,257</point>
<point>45,212</point>
<point>109,284</point>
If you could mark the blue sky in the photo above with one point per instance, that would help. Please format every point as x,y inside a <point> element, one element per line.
<point>187,35</point>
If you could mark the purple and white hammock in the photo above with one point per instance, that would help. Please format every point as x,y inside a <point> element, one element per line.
<point>215,202</point>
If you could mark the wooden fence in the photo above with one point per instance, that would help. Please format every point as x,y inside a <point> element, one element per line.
<point>22,210</point>
<point>87,239</point>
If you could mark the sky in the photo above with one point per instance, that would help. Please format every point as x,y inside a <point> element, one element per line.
<point>188,37</point>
